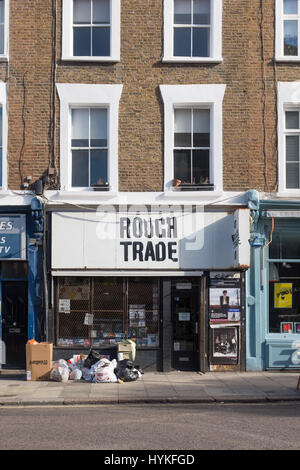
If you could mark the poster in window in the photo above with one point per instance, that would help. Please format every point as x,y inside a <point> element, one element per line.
<point>283,295</point>
<point>224,342</point>
<point>297,327</point>
<point>224,303</point>
<point>286,327</point>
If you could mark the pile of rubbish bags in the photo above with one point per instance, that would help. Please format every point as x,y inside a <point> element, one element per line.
<point>94,368</point>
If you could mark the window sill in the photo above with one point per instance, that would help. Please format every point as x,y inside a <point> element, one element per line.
<point>4,58</point>
<point>288,59</point>
<point>85,194</point>
<point>289,193</point>
<point>191,194</point>
<point>192,60</point>
<point>89,59</point>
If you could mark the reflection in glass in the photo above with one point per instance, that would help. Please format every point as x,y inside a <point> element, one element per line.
<point>291,37</point>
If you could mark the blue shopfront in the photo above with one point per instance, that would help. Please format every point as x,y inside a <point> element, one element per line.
<point>273,285</point>
<point>21,295</point>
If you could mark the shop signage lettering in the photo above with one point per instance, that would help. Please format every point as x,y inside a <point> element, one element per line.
<point>12,237</point>
<point>151,231</point>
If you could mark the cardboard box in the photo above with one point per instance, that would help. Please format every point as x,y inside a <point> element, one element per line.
<point>39,361</point>
<point>124,347</point>
<point>126,350</point>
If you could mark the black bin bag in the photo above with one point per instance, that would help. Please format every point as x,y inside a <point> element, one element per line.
<point>93,357</point>
<point>127,371</point>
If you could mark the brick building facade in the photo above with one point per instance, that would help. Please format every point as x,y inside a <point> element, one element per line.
<point>124,64</point>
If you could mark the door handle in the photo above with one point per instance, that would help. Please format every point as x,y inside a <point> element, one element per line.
<point>196,327</point>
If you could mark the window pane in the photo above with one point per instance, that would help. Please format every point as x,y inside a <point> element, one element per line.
<point>201,46</point>
<point>1,11</point>
<point>182,42</point>
<point>98,167</point>
<point>1,126</point>
<point>200,167</point>
<point>292,148</point>
<point>290,37</point>
<point>80,127</point>
<point>1,167</point>
<point>80,168</point>
<point>182,165</point>
<point>201,120</point>
<point>82,42</point>
<point>292,119</point>
<point>82,11</point>
<point>101,11</point>
<point>101,41</point>
<point>98,127</point>
<point>292,175</point>
<point>201,12</point>
<point>182,127</point>
<point>1,39</point>
<point>182,12</point>
<point>290,7</point>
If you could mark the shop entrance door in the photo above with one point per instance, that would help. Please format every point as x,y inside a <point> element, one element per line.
<point>185,301</point>
<point>14,323</point>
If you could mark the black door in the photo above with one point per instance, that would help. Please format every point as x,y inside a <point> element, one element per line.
<point>185,326</point>
<point>14,323</point>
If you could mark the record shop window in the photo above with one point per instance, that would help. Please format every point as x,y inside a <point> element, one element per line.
<point>100,311</point>
<point>89,147</point>
<point>192,146</point>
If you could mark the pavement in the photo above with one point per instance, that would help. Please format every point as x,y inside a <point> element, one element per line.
<point>154,387</point>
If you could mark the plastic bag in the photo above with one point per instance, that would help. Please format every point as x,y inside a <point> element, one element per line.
<point>127,371</point>
<point>59,374</point>
<point>104,372</point>
<point>92,358</point>
<point>76,374</point>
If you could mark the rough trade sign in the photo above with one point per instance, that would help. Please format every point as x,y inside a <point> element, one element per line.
<point>12,237</point>
<point>173,238</point>
<point>159,239</point>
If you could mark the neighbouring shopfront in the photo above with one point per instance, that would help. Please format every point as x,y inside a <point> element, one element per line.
<point>273,297</point>
<point>18,286</point>
<point>171,281</point>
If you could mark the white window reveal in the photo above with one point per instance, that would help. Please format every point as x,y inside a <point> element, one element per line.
<point>4,19</point>
<point>193,137</point>
<point>292,160</point>
<point>289,138</point>
<point>91,30</point>
<point>89,136</point>
<point>192,30</point>
<point>287,30</point>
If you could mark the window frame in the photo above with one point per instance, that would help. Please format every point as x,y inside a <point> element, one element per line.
<point>279,33</point>
<point>194,96</point>
<point>4,56</point>
<point>215,35</point>
<point>288,100</point>
<point>80,95</point>
<point>67,34</point>
<point>88,148</point>
<point>192,147</point>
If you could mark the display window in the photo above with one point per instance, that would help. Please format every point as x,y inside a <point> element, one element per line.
<point>103,311</point>
<point>284,279</point>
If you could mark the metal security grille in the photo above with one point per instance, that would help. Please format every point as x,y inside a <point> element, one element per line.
<point>99,311</point>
